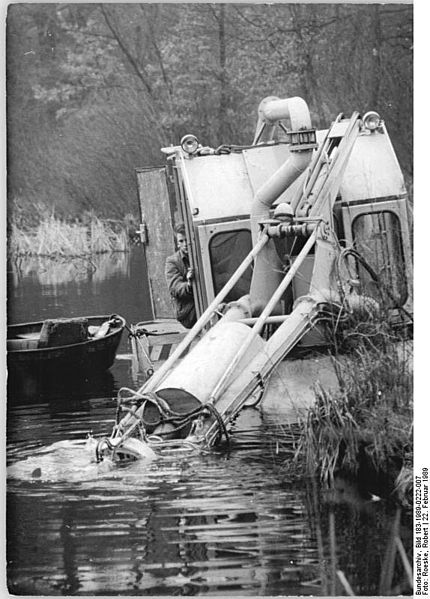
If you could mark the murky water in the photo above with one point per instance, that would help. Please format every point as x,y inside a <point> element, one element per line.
<point>229,522</point>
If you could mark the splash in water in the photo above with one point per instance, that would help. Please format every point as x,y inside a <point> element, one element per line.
<point>70,460</point>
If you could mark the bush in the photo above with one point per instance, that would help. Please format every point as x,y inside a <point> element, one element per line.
<point>368,422</point>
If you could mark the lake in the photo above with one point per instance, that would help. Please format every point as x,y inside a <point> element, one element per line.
<point>227,523</point>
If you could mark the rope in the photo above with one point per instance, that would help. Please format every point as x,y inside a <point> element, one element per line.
<point>130,332</point>
<point>166,415</point>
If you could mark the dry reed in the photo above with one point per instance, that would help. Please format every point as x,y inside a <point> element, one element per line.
<point>55,237</point>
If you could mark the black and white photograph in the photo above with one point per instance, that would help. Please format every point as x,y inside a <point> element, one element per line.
<point>210,319</point>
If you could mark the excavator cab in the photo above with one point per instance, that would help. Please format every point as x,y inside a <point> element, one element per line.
<point>213,193</point>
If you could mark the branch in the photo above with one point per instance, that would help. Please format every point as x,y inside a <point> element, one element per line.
<point>159,55</point>
<point>127,53</point>
<point>246,19</point>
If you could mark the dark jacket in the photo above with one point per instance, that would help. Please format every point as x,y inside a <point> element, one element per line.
<point>180,290</point>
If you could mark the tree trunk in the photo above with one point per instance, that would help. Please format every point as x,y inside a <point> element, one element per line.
<point>376,58</point>
<point>223,99</point>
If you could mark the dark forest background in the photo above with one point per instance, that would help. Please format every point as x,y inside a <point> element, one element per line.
<point>94,90</point>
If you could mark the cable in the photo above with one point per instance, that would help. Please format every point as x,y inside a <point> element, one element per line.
<point>260,394</point>
<point>351,252</point>
<point>220,421</point>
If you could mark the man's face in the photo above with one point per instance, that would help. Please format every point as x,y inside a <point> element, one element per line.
<point>182,243</point>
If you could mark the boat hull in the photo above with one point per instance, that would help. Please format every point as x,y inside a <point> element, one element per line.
<point>79,359</point>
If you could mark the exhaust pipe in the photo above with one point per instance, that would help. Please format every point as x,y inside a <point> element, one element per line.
<point>267,272</point>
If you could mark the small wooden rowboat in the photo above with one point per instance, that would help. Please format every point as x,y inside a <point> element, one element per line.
<point>76,345</point>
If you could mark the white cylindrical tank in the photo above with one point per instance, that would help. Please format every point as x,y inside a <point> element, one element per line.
<point>199,372</point>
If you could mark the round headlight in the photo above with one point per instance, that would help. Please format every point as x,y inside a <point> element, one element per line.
<point>189,143</point>
<point>371,120</point>
<point>284,212</point>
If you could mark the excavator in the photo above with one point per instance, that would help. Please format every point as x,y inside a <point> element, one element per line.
<point>299,230</point>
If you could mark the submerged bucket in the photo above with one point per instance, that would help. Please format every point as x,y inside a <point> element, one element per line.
<point>180,402</point>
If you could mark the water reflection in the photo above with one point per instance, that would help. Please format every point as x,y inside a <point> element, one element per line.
<point>34,389</point>
<point>219,523</point>
<point>180,526</point>
<point>110,283</point>
<point>62,270</point>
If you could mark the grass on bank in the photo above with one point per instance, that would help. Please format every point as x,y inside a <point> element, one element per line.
<point>49,235</point>
<point>367,424</point>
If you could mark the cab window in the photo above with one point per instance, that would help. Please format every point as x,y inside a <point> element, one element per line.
<point>378,238</point>
<point>227,250</point>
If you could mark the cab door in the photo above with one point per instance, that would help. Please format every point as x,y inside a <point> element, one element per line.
<point>157,212</point>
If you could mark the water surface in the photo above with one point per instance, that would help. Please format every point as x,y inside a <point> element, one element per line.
<point>228,522</point>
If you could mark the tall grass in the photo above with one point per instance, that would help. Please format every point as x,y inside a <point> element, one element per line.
<point>55,237</point>
<point>368,421</point>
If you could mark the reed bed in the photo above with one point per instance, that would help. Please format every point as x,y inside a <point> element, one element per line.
<point>368,422</point>
<point>56,237</point>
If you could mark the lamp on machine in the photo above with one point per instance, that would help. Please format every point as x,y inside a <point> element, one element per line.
<point>284,212</point>
<point>189,143</point>
<point>371,120</point>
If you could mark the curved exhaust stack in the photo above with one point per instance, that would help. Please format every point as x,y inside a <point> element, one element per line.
<point>267,267</point>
